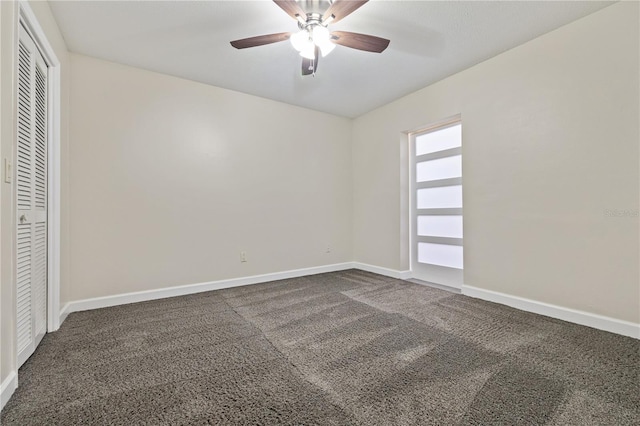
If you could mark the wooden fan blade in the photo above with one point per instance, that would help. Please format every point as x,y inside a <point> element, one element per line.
<point>309,66</point>
<point>292,8</point>
<point>341,8</point>
<point>360,41</point>
<point>260,40</point>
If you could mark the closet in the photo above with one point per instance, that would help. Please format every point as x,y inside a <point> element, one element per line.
<point>31,196</point>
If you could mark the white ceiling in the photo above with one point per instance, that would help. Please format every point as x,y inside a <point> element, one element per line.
<point>429,41</point>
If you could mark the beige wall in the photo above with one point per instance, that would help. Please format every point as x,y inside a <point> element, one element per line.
<point>165,181</point>
<point>550,141</point>
<point>8,16</point>
<point>171,179</point>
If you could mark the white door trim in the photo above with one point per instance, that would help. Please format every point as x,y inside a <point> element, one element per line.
<point>28,18</point>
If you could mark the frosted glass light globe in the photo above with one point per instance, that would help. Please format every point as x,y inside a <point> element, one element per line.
<point>320,34</point>
<point>300,40</point>
<point>309,51</point>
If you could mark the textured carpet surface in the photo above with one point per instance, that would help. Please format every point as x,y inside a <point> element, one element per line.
<point>345,348</point>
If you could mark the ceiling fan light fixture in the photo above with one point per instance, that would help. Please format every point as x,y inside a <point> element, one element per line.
<point>320,34</point>
<point>309,51</point>
<point>322,39</point>
<point>301,40</point>
<point>326,47</point>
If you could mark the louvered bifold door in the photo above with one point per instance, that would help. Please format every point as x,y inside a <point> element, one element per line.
<point>31,197</point>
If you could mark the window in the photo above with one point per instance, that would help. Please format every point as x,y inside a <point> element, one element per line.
<point>436,194</point>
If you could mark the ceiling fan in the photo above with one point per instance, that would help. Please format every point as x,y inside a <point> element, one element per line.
<point>314,38</point>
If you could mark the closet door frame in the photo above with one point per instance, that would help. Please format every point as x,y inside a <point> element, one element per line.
<point>27,19</point>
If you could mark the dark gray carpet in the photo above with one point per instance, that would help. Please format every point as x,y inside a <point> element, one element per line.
<point>346,348</point>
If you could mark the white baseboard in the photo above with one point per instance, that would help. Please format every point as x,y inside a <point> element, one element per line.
<point>405,275</point>
<point>8,386</point>
<point>64,312</point>
<point>143,296</point>
<point>612,325</point>
<point>393,273</point>
<point>600,322</point>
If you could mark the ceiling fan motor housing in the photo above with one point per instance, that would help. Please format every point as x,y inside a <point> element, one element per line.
<point>315,6</point>
<point>312,20</point>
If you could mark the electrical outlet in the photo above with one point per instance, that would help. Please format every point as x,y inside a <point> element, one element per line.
<point>243,256</point>
<point>328,250</point>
